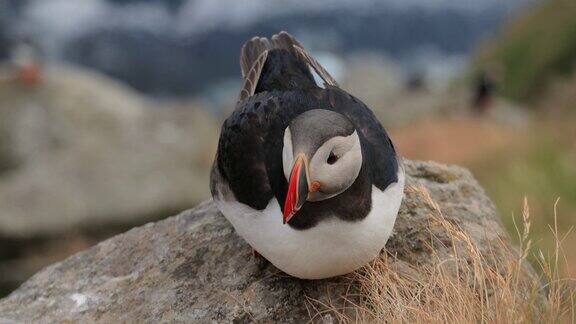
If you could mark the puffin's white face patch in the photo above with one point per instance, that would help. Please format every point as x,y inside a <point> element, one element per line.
<point>287,154</point>
<point>336,165</point>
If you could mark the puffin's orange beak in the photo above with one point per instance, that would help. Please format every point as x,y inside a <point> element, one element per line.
<point>297,188</point>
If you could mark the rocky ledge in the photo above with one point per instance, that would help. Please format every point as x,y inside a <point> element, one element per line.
<point>194,268</point>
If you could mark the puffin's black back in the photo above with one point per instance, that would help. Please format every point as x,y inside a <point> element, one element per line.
<point>249,156</point>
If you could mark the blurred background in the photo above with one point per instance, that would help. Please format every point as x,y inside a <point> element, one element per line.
<point>110,110</point>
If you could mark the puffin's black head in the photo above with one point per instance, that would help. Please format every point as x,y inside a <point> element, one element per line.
<point>321,158</point>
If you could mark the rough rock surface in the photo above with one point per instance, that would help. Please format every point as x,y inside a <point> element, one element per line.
<point>194,268</point>
<point>80,139</point>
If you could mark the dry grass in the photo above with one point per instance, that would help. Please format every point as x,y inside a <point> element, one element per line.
<point>474,284</point>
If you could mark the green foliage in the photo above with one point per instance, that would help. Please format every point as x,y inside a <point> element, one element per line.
<point>535,47</point>
<point>540,169</point>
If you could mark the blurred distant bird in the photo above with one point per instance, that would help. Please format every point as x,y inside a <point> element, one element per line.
<point>483,93</point>
<point>305,174</point>
<point>25,61</point>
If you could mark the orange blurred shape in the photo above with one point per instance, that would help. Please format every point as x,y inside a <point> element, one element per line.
<point>29,75</point>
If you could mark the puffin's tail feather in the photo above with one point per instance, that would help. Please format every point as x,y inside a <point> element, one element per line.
<point>255,52</point>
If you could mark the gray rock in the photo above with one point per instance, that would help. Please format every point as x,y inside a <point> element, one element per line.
<point>194,268</point>
<point>80,139</point>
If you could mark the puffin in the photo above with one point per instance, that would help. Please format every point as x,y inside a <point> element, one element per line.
<point>304,171</point>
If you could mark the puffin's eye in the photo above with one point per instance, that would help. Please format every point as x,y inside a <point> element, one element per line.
<point>332,158</point>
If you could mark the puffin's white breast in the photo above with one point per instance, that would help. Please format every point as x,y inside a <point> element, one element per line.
<point>333,247</point>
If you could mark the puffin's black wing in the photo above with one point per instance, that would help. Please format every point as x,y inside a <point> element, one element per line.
<point>241,155</point>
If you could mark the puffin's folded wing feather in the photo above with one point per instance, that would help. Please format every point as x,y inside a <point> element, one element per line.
<point>251,52</point>
<point>254,55</point>
<point>286,41</point>
<point>303,55</point>
<point>252,77</point>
